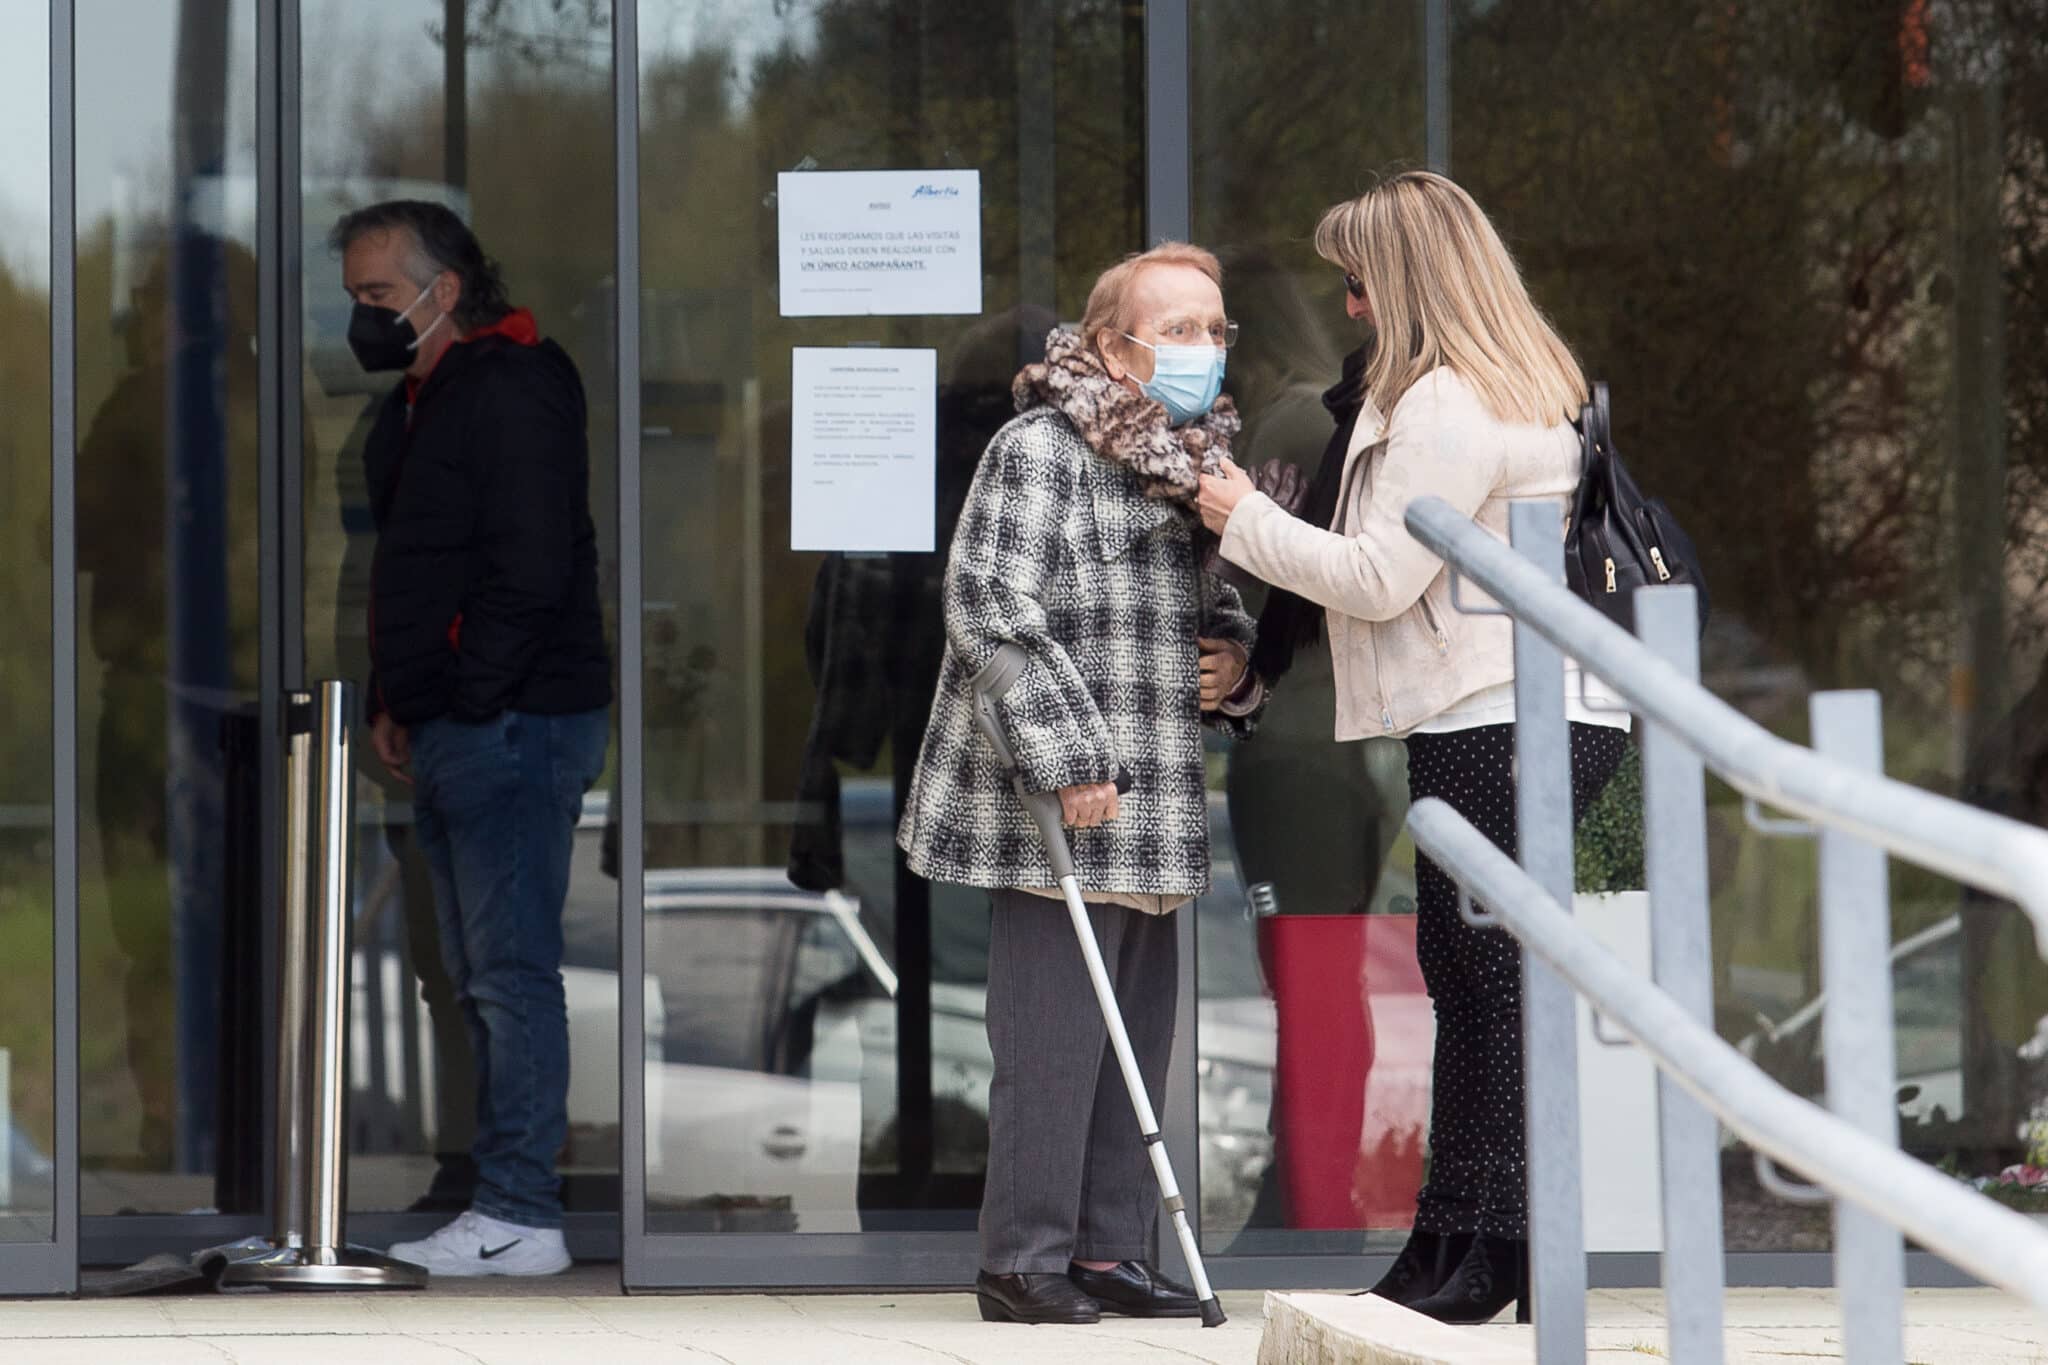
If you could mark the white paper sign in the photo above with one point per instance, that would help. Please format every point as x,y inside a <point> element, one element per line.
<point>864,429</point>
<point>858,243</point>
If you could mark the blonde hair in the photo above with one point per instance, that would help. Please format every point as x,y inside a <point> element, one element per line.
<point>1109,301</point>
<point>1436,273</point>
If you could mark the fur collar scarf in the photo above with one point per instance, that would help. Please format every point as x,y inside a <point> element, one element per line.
<point>1126,428</point>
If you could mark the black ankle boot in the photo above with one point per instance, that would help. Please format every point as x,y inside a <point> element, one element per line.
<point>1423,1265</point>
<point>1493,1274</point>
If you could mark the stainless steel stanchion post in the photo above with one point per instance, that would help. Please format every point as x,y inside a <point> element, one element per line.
<point>308,1247</point>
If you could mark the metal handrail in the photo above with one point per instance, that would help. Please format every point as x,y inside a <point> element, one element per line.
<point>1991,852</point>
<point>1997,1245</point>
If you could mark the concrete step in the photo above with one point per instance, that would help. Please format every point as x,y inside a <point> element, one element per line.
<point>1342,1329</point>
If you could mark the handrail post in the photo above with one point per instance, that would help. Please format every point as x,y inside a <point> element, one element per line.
<point>1994,853</point>
<point>1857,1029</point>
<point>1682,964</point>
<point>1550,1012</point>
<point>1979,1237</point>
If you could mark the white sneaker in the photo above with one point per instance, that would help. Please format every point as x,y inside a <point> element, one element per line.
<point>478,1244</point>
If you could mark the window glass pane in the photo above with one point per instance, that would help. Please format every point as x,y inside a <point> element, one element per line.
<point>1302,1147</point>
<point>826,1069</point>
<point>508,121</point>
<point>1803,245</point>
<point>27,854</point>
<point>167,593</point>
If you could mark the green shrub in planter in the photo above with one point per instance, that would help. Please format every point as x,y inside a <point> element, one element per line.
<point>1608,855</point>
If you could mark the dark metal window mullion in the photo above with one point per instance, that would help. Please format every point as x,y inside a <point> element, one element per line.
<point>288,250</point>
<point>632,943</point>
<point>270,514</point>
<point>1169,213</point>
<point>63,1271</point>
<point>280,506</point>
<point>1436,88</point>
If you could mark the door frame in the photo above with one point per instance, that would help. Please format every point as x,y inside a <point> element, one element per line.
<point>51,1267</point>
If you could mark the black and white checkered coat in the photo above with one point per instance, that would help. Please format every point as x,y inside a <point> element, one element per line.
<point>1060,551</point>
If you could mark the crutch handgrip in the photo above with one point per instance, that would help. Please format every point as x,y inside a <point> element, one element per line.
<point>989,687</point>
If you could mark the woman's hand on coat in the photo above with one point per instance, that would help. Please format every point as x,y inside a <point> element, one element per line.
<point>1221,494</point>
<point>1223,665</point>
<point>1088,805</point>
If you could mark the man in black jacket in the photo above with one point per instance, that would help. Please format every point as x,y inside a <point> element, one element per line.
<point>491,682</point>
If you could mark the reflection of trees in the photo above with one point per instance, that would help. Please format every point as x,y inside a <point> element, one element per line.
<point>1805,246</point>
<point>24,539</point>
<point>26,866</point>
<point>1044,99</point>
<point>848,84</point>
<point>1775,244</point>
<point>853,84</point>
<point>144,540</point>
<point>1808,244</point>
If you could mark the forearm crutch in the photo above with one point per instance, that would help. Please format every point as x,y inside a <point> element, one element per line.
<point>988,687</point>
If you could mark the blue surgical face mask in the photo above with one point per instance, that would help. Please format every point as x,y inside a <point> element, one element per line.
<point>1185,379</point>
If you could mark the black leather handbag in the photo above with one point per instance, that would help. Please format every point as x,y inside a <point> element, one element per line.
<point>1620,540</point>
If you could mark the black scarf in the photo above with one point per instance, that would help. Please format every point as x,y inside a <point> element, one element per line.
<point>1290,622</point>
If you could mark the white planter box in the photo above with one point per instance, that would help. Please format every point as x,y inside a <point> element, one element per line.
<point>1618,1097</point>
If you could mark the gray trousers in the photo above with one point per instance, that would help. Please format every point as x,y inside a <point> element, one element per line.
<point>1068,1177</point>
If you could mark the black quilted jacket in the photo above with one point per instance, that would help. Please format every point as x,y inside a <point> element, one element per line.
<point>483,592</point>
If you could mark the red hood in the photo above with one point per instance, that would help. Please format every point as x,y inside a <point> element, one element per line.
<point>516,326</point>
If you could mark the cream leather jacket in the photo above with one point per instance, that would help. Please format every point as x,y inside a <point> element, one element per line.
<point>1402,653</point>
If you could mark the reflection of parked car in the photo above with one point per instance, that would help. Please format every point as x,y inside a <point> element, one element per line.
<point>754,1077</point>
<point>754,1058</point>
<point>771,1029</point>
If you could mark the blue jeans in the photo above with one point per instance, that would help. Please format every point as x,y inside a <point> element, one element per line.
<point>494,809</point>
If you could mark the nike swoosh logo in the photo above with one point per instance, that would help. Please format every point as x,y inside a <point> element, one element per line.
<point>492,1253</point>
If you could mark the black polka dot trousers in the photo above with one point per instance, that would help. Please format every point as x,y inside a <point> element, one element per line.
<point>1478,1176</point>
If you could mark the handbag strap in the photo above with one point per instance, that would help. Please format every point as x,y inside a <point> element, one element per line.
<point>1596,485</point>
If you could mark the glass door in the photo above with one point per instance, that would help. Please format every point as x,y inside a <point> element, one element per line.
<point>502,111</point>
<point>812,1065</point>
<point>169,632</point>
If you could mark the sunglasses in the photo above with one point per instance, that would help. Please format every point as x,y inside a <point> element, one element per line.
<point>1354,286</point>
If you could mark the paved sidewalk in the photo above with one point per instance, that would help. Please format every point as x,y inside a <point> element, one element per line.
<point>1626,1327</point>
<point>402,1329</point>
<point>1798,1326</point>
<point>585,1322</point>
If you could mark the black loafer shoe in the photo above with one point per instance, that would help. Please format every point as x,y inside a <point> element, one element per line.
<point>1136,1290</point>
<point>1033,1298</point>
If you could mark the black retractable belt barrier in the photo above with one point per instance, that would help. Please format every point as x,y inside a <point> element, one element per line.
<point>239,1113</point>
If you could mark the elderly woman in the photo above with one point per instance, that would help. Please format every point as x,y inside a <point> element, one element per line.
<point>1080,542</point>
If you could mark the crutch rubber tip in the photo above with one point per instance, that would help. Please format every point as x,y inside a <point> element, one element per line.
<point>1212,1313</point>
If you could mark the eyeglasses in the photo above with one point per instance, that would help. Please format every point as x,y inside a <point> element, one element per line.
<point>1354,286</point>
<point>1188,332</point>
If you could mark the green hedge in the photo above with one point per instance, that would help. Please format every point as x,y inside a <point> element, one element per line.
<point>1609,851</point>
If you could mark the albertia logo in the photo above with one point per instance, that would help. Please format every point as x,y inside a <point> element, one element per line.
<point>936,192</point>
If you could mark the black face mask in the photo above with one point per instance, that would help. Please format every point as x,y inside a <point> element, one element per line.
<point>382,338</point>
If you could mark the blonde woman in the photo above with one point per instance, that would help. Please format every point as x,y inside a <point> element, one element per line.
<point>1467,397</point>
